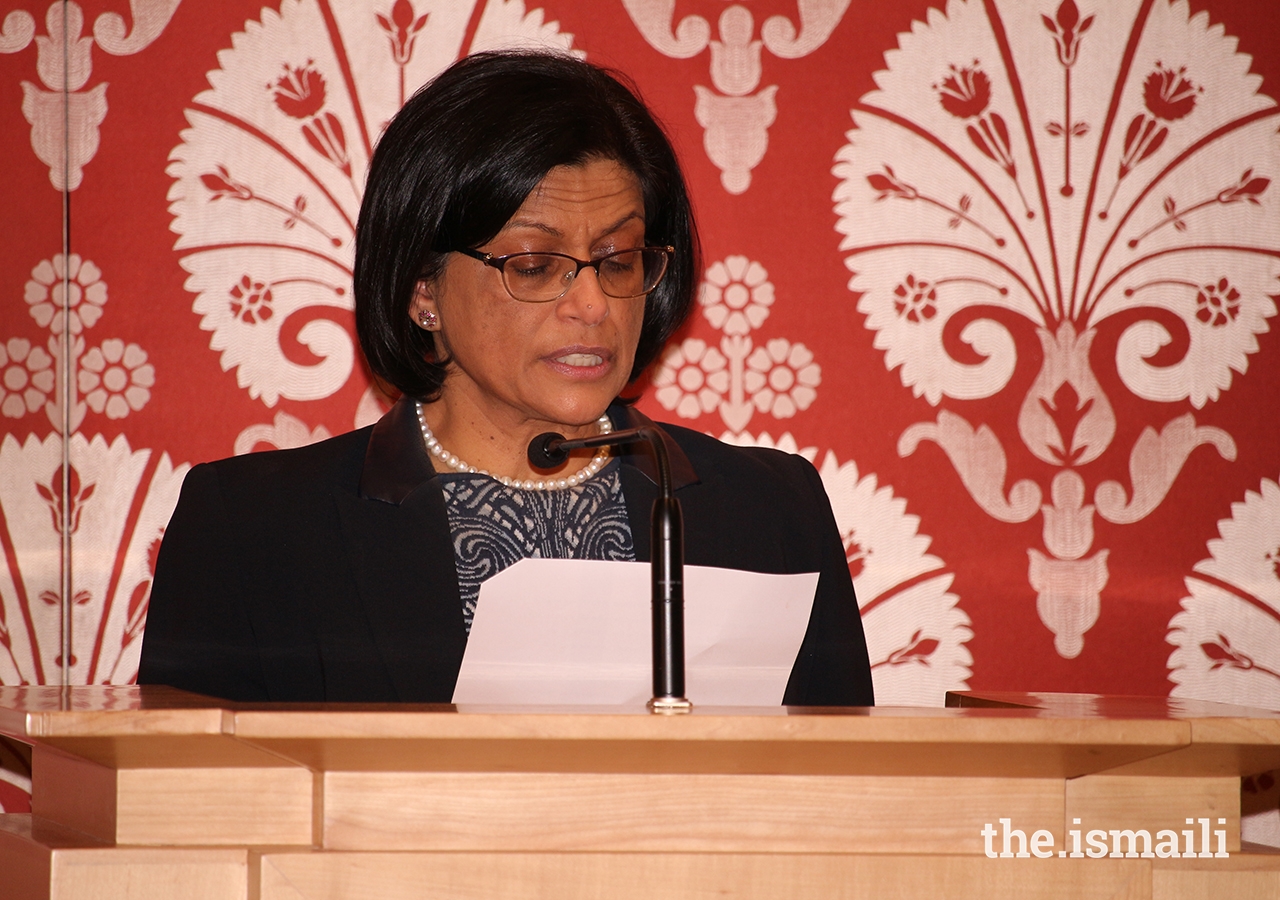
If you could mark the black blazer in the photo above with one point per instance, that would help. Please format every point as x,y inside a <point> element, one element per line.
<point>326,573</point>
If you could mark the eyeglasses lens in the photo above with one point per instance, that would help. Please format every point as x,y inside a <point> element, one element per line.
<point>538,277</point>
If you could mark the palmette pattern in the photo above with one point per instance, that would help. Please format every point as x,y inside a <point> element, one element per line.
<point>1121,238</point>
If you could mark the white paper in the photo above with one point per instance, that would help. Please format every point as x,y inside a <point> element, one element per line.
<point>574,631</point>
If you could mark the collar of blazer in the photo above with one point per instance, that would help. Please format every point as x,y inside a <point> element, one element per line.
<point>396,463</point>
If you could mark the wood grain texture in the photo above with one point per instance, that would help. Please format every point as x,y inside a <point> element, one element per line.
<point>74,792</point>
<point>1112,706</point>
<point>26,854</point>
<point>1224,739</point>
<point>1245,876</point>
<point>724,813</point>
<point>41,860</point>
<point>692,876</point>
<point>1154,803</point>
<point>921,742</point>
<point>47,710</point>
<point>124,873</point>
<point>573,802</point>
<point>214,806</point>
<point>177,806</point>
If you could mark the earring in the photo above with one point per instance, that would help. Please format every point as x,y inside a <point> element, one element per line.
<point>429,320</point>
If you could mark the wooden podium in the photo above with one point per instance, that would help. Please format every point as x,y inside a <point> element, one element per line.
<point>145,792</point>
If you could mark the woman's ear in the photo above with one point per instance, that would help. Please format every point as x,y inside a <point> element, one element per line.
<point>422,308</point>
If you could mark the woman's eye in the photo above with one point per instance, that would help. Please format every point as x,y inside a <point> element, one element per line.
<point>621,264</point>
<point>531,266</point>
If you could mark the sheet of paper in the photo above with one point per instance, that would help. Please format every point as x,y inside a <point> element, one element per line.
<point>572,631</point>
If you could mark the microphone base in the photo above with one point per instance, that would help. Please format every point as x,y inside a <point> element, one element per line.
<point>669,706</point>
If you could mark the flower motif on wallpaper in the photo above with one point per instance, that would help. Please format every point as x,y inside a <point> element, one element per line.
<point>116,378</point>
<point>402,28</point>
<point>112,379</point>
<point>268,177</point>
<point>917,300</point>
<point>299,93</point>
<point>781,378</point>
<point>250,300</point>
<point>693,379</point>
<point>85,293</point>
<point>1122,242</point>
<point>966,94</point>
<point>1218,305</point>
<point>736,295</point>
<point>738,378</point>
<point>1168,96</point>
<point>26,378</point>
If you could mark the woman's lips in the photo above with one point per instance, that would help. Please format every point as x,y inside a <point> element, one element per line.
<point>581,362</point>
<point>580,359</point>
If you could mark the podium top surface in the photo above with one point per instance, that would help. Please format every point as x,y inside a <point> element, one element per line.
<point>1005,734</point>
<point>39,711</point>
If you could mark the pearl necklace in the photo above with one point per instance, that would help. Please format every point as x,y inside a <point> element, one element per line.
<point>551,484</point>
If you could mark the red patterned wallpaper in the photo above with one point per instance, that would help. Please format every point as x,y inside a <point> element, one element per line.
<point>1006,271</point>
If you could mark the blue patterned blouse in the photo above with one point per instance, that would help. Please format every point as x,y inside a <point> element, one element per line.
<point>495,526</point>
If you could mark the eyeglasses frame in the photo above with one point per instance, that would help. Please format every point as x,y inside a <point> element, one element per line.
<point>498,262</point>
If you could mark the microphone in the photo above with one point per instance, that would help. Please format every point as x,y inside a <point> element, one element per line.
<point>541,454</point>
<point>548,450</point>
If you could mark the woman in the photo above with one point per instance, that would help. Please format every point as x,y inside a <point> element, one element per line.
<point>524,249</point>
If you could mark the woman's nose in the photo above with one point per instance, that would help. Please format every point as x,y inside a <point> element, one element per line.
<point>585,300</point>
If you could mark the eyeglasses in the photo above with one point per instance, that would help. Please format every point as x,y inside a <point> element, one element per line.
<point>543,277</point>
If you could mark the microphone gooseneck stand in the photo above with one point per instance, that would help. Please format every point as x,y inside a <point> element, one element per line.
<point>549,450</point>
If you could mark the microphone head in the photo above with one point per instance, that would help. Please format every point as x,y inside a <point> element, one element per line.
<point>545,451</point>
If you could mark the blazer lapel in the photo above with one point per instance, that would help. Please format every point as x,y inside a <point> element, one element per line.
<point>396,532</point>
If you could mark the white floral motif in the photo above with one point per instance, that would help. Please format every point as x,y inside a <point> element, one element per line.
<point>782,377</point>
<point>116,377</point>
<point>119,503</point>
<point>111,379</point>
<point>736,295</point>
<point>736,122</point>
<point>269,174</point>
<point>65,119</point>
<point>114,502</point>
<point>742,377</point>
<point>85,293</point>
<point>961,220</point>
<point>692,379</point>
<point>1227,634</point>
<point>26,377</point>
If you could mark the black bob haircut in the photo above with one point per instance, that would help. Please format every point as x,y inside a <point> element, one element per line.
<point>460,158</point>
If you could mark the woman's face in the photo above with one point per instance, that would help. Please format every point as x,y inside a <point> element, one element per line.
<point>553,365</point>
